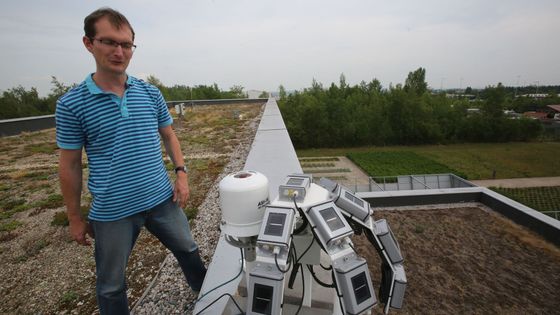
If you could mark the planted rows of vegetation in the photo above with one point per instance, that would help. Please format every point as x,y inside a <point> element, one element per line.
<point>379,164</point>
<point>538,198</point>
<point>474,160</point>
<point>368,114</point>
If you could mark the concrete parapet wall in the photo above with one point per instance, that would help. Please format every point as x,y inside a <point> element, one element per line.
<point>218,101</point>
<point>11,127</point>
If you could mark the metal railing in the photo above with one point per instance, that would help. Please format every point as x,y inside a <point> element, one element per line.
<point>415,182</point>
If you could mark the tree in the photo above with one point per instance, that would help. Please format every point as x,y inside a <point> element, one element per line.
<point>495,100</point>
<point>237,91</point>
<point>264,94</point>
<point>416,82</point>
<point>19,102</point>
<point>58,88</point>
<point>282,92</point>
<point>154,81</point>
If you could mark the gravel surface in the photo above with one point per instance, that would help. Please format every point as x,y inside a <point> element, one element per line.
<point>169,293</point>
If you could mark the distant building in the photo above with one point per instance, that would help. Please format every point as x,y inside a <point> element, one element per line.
<point>464,96</point>
<point>471,111</point>
<point>534,95</point>
<point>511,114</point>
<point>536,115</point>
<point>555,111</point>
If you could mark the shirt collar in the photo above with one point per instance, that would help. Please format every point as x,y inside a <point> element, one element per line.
<point>94,89</point>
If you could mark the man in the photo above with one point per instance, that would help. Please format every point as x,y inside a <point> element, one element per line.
<point>119,120</point>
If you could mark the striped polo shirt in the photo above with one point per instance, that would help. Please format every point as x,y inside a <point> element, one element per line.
<point>120,135</point>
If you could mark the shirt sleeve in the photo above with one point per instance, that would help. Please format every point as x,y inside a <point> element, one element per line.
<point>69,132</point>
<point>164,118</point>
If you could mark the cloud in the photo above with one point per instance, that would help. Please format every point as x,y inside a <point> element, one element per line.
<point>262,44</point>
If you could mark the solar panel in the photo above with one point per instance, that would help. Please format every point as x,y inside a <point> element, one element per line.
<point>333,220</point>
<point>361,288</point>
<point>295,181</point>
<point>262,301</point>
<point>275,224</point>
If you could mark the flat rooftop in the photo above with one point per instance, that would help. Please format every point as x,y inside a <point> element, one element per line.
<point>469,260</point>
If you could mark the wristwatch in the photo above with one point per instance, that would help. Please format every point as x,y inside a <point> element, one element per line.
<point>181,169</point>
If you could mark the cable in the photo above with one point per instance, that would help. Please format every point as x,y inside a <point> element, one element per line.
<point>221,285</point>
<point>337,292</point>
<point>352,246</point>
<point>294,269</point>
<point>278,266</point>
<point>326,268</point>
<point>358,229</point>
<point>236,243</point>
<point>306,250</point>
<point>302,227</point>
<point>216,300</point>
<point>302,290</point>
<point>310,267</point>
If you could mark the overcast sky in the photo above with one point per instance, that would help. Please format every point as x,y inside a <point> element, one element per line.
<point>262,44</point>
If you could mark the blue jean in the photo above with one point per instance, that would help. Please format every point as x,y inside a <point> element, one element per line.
<point>114,241</point>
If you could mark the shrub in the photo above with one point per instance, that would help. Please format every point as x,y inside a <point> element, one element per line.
<point>68,297</point>
<point>60,219</point>
<point>53,201</point>
<point>10,225</point>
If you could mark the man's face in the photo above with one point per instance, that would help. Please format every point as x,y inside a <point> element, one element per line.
<point>110,59</point>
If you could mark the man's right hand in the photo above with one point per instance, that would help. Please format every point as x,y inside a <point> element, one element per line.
<point>70,174</point>
<point>79,229</point>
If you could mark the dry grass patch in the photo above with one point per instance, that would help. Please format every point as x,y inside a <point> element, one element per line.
<point>471,261</point>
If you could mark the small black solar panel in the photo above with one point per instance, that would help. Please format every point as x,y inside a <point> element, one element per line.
<point>262,301</point>
<point>360,287</point>
<point>295,181</point>
<point>354,199</point>
<point>275,224</point>
<point>332,219</point>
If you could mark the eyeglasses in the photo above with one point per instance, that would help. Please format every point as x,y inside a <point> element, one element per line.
<point>128,46</point>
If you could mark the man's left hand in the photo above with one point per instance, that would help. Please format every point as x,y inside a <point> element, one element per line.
<point>181,192</point>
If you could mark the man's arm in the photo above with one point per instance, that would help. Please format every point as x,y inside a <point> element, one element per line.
<point>70,174</point>
<point>181,190</point>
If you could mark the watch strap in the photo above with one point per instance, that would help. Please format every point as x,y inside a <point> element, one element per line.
<point>181,169</point>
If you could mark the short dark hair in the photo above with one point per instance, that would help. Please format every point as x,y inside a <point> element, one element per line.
<point>115,18</point>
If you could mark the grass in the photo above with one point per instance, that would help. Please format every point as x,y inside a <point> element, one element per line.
<point>10,225</point>
<point>52,201</point>
<point>61,219</point>
<point>11,206</point>
<point>47,148</point>
<point>476,160</point>
<point>538,198</point>
<point>393,163</point>
<point>68,297</point>
<point>33,247</point>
